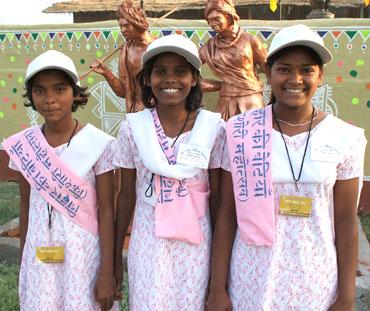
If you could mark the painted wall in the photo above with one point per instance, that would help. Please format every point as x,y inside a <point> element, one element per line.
<point>345,93</point>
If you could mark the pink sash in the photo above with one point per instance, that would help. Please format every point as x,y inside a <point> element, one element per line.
<point>249,145</point>
<point>179,203</point>
<point>72,196</point>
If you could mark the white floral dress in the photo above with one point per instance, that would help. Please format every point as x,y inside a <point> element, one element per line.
<point>164,274</point>
<point>67,286</point>
<point>299,272</point>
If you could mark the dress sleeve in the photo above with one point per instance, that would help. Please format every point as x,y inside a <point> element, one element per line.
<point>124,148</point>
<point>352,164</point>
<point>217,150</point>
<point>225,164</point>
<point>105,162</point>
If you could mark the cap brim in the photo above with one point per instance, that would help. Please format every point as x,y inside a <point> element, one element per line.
<point>74,77</point>
<point>191,58</point>
<point>323,53</point>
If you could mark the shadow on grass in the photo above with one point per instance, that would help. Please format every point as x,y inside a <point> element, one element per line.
<point>365,221</point>
<point>9,201</point>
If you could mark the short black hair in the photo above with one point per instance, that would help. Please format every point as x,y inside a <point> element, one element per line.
<point>193,101</point>
<point>79,91</point>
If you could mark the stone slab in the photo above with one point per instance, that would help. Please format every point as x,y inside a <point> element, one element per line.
<point>9,225</point>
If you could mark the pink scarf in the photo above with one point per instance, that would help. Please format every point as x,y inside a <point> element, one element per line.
<point>72,196</point>
<point>249,139</point>
<point>179,202</point>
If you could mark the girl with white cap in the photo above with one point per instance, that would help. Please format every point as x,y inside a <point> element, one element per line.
<point>170,157</point>
<point>65,181</point>
<point>288,239</point>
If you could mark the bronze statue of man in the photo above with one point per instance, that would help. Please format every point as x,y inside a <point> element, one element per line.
<point>233,56</point>
<point>134,27</point>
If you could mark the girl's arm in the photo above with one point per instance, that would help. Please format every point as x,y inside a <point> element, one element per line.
<point>218,298</point>
<point>125,206</point>
<point>346,241</point>
<point>24,190</point>
<point>214,199</point>
<point>104,288</point>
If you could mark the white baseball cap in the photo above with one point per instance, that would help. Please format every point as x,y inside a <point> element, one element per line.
<point>52,59</point>
<point>299,35</point>
<point>176,44</point>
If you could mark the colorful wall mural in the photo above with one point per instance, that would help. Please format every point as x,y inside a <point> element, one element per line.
<point>345,92</point>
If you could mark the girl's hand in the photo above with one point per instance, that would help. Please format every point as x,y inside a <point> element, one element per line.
<point>118,275</point>
<point>340,305</point>
<point>218,300</point>
<point>104,291</point>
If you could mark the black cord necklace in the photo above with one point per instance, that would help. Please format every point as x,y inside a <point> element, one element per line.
<point>286,146</point>
<point>50,209</point>
<point>182,129</point>
<point>70,138</point>
<point>149,191</point>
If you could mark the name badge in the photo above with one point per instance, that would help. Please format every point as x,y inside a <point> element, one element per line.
<point>50,254</point>
<point>295,206</point>
<point>194,156</point>
<point>324,153</point>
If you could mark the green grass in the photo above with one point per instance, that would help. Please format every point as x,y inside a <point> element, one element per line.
<point>365,221</point>
<point>124,302</point>
<point>9,287</point>
<point>9,201</point>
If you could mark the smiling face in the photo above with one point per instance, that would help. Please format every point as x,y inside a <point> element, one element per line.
<point>171,79</point>
<point>218,21</point>
<point>52,96</point>
<point>294,78</point>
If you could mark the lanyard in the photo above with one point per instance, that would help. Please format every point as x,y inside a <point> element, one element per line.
<point>286,147</point>
<point>50,208</point>
<point>149,190</point>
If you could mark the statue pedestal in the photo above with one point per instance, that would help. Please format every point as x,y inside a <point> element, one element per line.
<point>316,13</point>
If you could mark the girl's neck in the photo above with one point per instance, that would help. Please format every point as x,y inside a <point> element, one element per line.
<point>175,119</point>
<point>172,114</point>
<point>302,118</point>
<point>59,133</point>
<point>294,115</point>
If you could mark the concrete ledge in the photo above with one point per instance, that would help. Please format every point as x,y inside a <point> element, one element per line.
<point>9,225</point>
<point>124,259</point>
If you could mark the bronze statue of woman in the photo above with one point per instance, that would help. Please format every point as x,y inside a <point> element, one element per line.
<point>233,56</point>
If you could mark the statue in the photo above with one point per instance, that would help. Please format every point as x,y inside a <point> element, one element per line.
<point>233,56</point>
<point>320,9</point>
<point>134,27</point>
